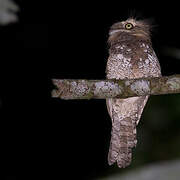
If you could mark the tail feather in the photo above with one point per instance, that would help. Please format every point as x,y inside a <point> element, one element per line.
<point>125,115</point>
<point>122,142</point>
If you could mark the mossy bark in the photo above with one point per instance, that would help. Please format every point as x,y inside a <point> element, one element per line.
<point>102,89</point>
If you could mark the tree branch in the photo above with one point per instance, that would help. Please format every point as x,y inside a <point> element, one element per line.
<point>102,89</point>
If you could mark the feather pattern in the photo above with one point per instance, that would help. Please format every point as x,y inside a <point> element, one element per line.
<point>130,56</point>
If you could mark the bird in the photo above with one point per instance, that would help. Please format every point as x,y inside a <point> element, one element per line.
<point>131,56</point>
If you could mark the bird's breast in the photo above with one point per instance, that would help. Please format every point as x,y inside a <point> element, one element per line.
<point>132,62</point>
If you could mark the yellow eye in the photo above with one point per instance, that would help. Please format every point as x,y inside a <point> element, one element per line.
<point>128,26</point>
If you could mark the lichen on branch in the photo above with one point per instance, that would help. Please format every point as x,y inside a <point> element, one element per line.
<point>102,89</point>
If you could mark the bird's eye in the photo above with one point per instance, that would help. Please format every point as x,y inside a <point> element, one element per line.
<point>128,26</point>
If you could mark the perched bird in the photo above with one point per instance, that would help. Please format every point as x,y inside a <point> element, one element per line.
<point>130,56</point>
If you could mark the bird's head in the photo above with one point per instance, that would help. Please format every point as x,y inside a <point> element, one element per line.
<point>132,27</point>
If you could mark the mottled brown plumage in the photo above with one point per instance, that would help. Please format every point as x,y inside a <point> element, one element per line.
<point>130,56</point>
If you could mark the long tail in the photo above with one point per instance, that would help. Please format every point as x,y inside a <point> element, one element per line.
<point>125,114</point>
<point>123,139</point>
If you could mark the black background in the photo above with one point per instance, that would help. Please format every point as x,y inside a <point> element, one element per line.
<point>66,138</point>
<point>81,129</point>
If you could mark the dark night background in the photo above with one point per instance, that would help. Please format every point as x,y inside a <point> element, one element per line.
<point>71,138</point>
